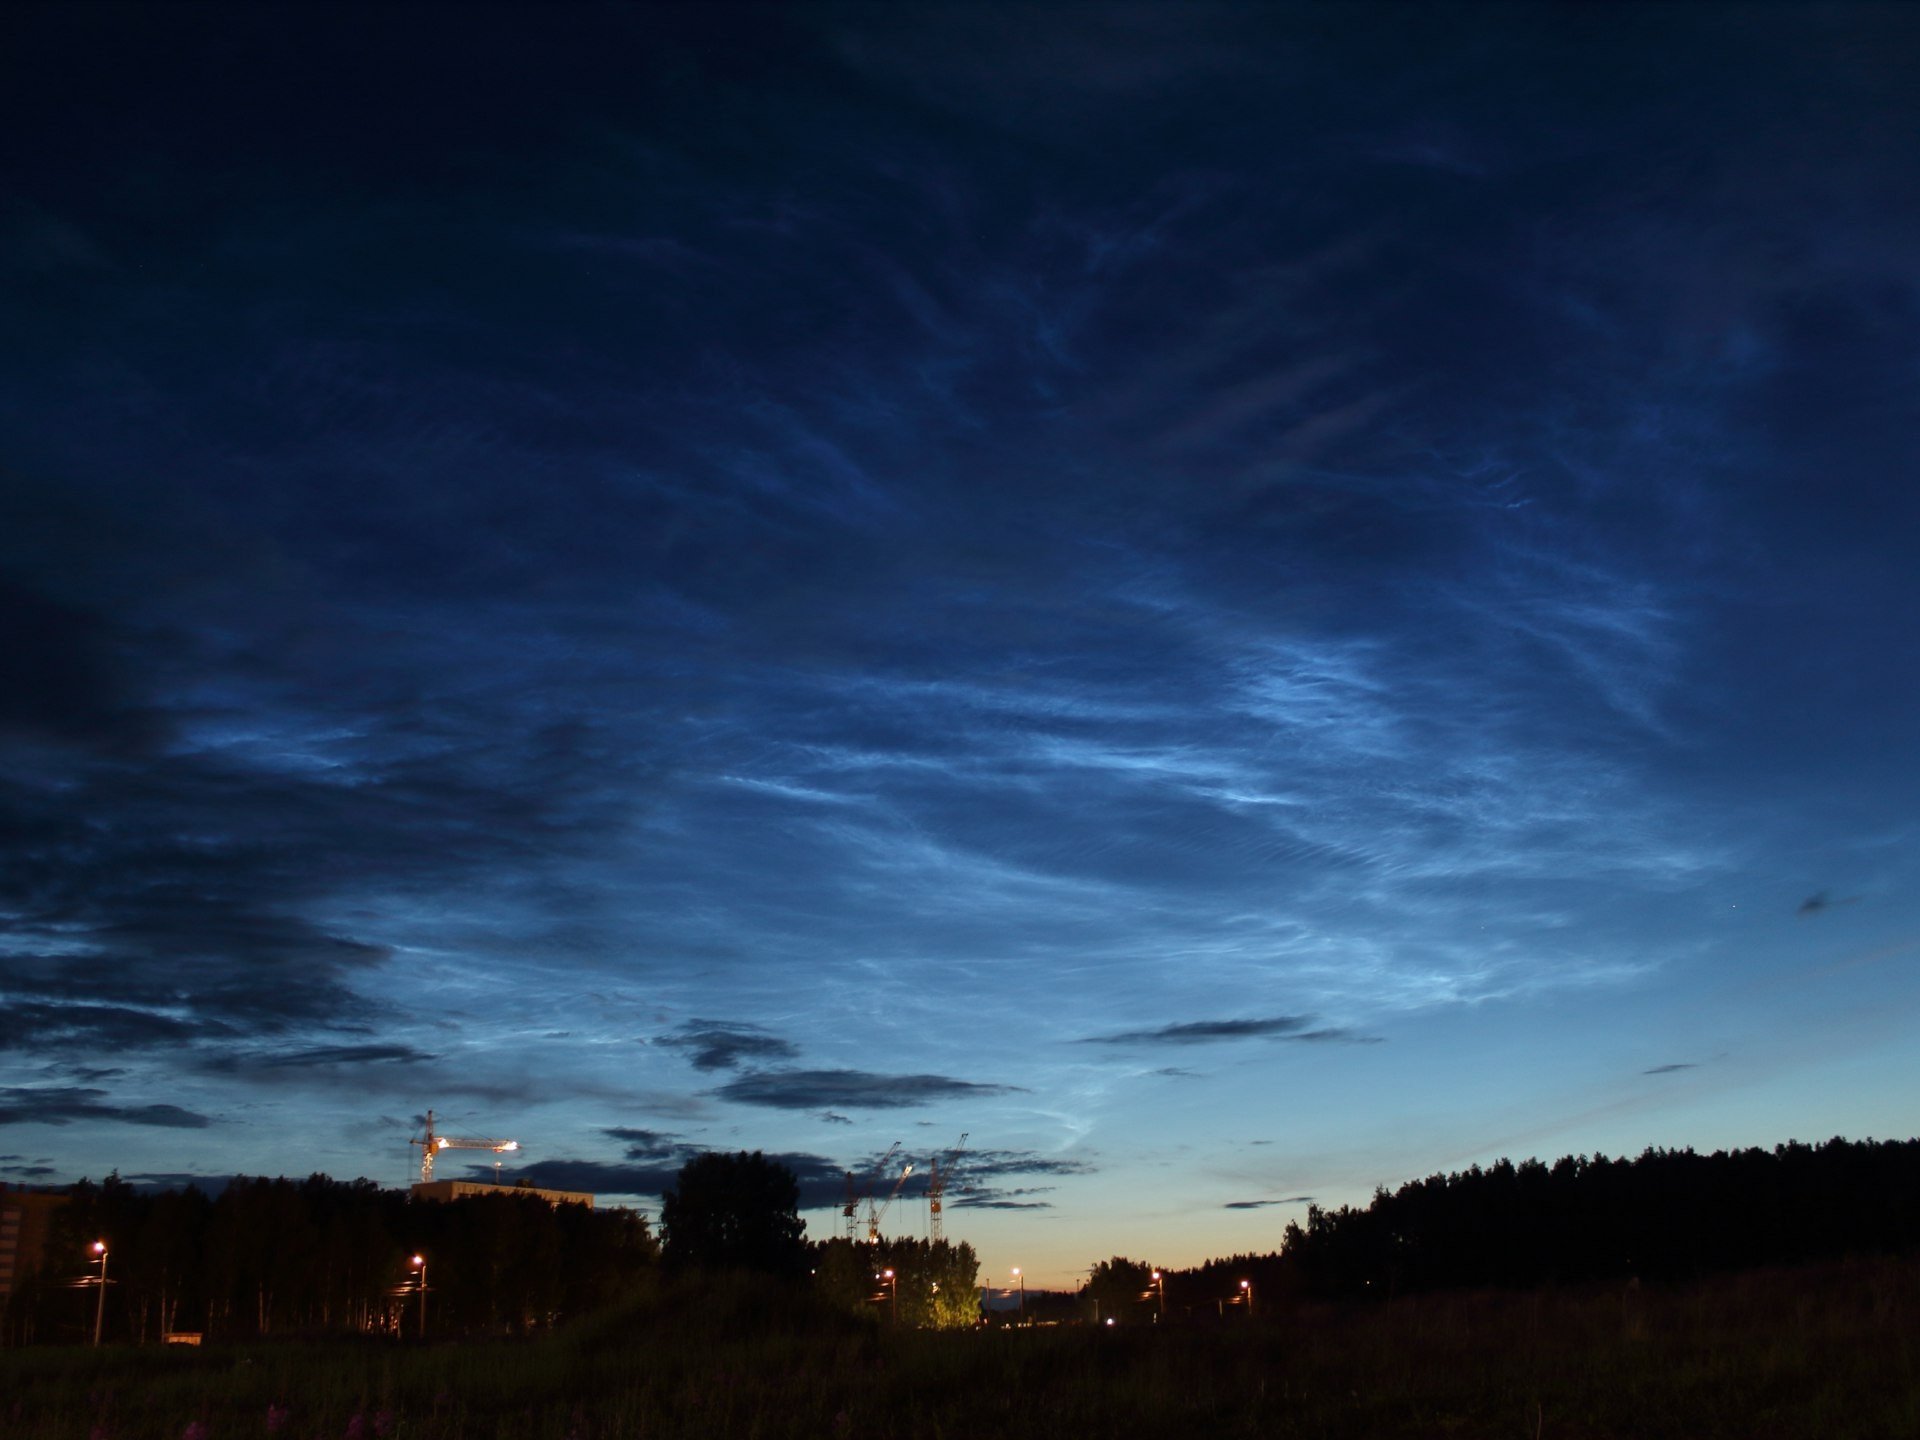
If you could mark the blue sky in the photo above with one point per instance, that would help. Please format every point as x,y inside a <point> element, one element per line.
<point>1240,602</point>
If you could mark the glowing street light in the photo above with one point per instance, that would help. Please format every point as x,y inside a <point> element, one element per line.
<point>100,1301</point>
<point>419,1262</point>
<point>1160,1286</point>
<point>893,1293</point>
<point>1246,1289</point>
<point>1023,1293</point>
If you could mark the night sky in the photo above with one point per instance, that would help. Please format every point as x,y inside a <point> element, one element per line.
<point>1241,602</point>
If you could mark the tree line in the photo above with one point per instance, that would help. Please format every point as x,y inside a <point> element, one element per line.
<point>1666,1215</point>
<point>1663,1215</point>
<point>279,1256</point>
<point>276,1257</point>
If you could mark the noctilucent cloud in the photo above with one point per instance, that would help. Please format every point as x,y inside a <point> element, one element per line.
<point>1241,602</point>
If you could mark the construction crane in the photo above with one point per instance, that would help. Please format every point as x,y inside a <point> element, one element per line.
<point>433,1144</point>
<point>937,1187</point>
<point>859,1191</point>
<point>875,1216</point>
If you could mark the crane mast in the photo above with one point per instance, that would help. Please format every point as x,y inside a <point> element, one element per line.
<point>432,1144</point>
<point>874,1217</point>
<point>937,1187</point>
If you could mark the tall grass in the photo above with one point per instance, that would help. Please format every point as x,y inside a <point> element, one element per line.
<point>1813,1352</point>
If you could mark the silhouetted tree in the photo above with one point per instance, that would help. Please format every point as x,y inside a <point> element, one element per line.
<point>273,1257</point>
<point>1122,1290</point>
<point>735,1211</point>
<point>1669,1214</point>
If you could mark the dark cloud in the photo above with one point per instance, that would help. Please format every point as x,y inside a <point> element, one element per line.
<point>174,946</point>
<point>46,1026</point>
<point>59,678</point>
<point>348,1056</point>
<point>721,1045</point>
<point>29,1172</point>
<point>991,1202</point>
<point>600,1177</point>
<point>978,1164</point>
<point>973,1184</point>
<point>830,1117</point>
<point>848,1090</point>
<point>647,1144</point>
<point>1821,902</point>
<point>49,1105</point>
<point>822,1181</point>
<point>1208,1032</point>
<point>1263,1204</point>
<point>175,902</point>
<point>1671,1068</point>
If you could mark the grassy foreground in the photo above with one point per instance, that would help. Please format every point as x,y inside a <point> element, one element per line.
<point>1814,1352</point>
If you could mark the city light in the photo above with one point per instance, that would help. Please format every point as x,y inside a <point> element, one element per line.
<point>100,1301</point>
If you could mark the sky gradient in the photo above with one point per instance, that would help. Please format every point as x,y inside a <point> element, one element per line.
<point>1241,602</point>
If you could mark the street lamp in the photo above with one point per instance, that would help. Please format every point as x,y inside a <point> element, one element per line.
<point>419,1263</point>
<point>1023,1293</point>
<point>893,1294</point>
<point>100,1301</point>
<point>1160,1286</point>
<point>1246,1289</point>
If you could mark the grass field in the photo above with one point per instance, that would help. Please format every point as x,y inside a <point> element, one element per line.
<point>1827,1351</point>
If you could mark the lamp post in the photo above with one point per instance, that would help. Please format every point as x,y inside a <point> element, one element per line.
<point>100,1300</point>
<point>893,1295</point>
<point>1246,1289</point>
<point>420,1264</point>
<point>1023,1293</point>
<point>1160,1288</point>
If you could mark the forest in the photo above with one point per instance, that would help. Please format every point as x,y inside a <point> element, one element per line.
<point>271,1257</point>
<point>1665,1215</point>
<point>279,1257</point>
<point>283,1258</point>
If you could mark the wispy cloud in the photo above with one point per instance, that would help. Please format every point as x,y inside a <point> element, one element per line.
<point>63,1105</point>
<point>1210,1032</point>
<point>1263,1204</point>
<point>726,1045</point>
<point>849,1090</point>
